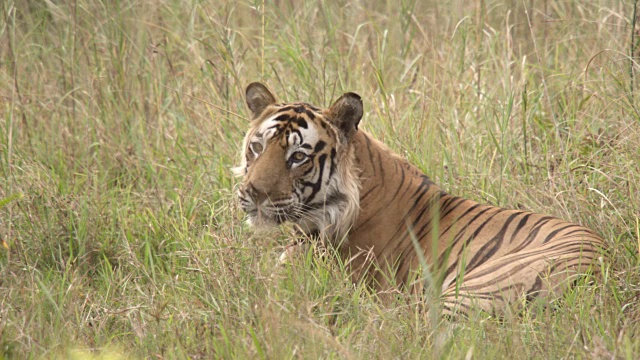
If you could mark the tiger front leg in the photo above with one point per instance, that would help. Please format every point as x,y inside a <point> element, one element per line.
<point>300,245</point>
<point>293,250</point>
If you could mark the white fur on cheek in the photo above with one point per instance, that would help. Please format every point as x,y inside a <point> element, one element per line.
<point>239,170</point>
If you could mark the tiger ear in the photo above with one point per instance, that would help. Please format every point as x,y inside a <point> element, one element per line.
<point>258,98</point>
<point>346,113</point>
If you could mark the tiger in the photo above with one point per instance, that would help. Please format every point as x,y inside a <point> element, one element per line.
<point>314,168</point>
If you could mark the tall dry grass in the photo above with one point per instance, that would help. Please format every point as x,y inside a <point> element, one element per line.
<point>120,121</point>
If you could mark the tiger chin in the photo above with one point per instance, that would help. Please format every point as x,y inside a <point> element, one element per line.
<point>314,168</point>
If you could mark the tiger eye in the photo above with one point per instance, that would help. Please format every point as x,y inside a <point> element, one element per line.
<point>256,147</point>
<point>298,156</point>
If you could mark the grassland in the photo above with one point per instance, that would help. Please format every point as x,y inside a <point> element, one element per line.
<point>120,120</point>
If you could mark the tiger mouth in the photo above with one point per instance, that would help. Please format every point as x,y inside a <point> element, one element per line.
<point>259,216</point>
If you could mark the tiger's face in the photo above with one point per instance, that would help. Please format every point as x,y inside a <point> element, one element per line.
<point>289,163</point>
<point>292,162</point>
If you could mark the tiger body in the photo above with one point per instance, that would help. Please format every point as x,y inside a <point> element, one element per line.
<point>388,219</point>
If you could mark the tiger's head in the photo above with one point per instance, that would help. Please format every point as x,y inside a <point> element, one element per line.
<point>297,163</point>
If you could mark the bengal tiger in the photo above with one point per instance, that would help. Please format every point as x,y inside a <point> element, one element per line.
<point>313,167</point>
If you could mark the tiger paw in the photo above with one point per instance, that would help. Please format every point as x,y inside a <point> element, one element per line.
<point>292,250</point>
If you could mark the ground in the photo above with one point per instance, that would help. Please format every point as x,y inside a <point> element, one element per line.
<point>120,121</point>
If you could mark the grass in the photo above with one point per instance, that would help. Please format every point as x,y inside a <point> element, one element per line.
<point>120,120</point>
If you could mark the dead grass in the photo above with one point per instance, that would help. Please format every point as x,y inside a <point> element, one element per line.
<point>119,122</point>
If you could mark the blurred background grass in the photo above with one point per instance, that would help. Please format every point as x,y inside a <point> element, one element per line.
<point>119,121</point>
